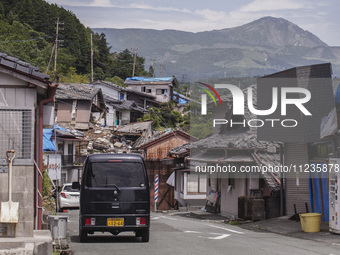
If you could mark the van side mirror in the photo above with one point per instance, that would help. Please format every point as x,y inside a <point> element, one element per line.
<point>76,185</point>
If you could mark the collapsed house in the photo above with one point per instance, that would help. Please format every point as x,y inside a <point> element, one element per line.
<point>126,111</point>
<point>62,154</point>
<point>229,192</point>
<point>77,104</point>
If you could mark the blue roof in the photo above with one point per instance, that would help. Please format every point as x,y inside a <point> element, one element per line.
<point>180,100</point>
<point>47,134</point>
<point>148,79</point>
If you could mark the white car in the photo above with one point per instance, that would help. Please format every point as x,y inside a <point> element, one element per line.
<point>68,197</point>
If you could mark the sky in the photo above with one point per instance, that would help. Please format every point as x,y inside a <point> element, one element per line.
<point>319,17</point>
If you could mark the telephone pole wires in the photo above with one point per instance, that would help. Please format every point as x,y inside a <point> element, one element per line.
<point>56,45</point>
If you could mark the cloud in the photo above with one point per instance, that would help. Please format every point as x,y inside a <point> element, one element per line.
<point>270,5</point>
<point>200,16</point>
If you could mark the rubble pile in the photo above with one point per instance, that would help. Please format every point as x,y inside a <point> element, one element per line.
<point>102,139</point>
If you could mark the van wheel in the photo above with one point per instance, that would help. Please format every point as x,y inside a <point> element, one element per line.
<point>145,236</point>
<point>82,236</point>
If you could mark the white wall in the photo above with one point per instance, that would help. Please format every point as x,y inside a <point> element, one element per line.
<point>229,200</point>
<point>160,98</point>
<point>184,198</point>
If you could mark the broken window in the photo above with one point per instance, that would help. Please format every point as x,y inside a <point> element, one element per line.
<point>161,91</point>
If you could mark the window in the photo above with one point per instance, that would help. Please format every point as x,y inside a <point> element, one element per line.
<point>121,97</point>
<point>196,183</point>
<point>148,90</point>
<point>70,149</point>
<point>16,133</point>
<point>142,89</point>
<point>108,175</point>
<point>161,92</point>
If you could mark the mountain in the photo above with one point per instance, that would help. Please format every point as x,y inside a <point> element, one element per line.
<point>260,47</point>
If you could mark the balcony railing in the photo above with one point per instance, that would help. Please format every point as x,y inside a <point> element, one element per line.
<point>71,160</point>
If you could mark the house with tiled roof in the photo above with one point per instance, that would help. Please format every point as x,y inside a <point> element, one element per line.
<point>77,105</point>
<point>25,93</point>
<point>154,148</point>
<point>228,148</point>
<point>124,105</point>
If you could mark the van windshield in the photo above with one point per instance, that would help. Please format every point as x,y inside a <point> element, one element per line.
<point>110,175</point>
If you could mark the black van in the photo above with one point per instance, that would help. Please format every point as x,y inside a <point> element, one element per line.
<point>114,195</point>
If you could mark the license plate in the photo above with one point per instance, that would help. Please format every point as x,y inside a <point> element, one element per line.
<point>115,222</point>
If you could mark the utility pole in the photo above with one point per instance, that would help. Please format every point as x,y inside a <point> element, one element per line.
<point>56,45</point>
<point>49,61</point>
<point>153,60</point>
<point>134,62</point>
<point>161,66</point>
<point>91,58</point>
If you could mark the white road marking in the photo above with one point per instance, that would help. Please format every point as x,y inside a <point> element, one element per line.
<point>154,218</point>
<point>168,218</point>
<point>227,229</point>
<point>219,237</point>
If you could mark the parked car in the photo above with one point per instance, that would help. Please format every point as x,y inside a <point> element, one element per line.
<point>114,196</point>
<point>68,197</point>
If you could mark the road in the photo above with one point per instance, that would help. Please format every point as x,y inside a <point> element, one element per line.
<point>178,235</point>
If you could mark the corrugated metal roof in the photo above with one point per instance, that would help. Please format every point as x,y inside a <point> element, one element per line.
<point>22,67</point>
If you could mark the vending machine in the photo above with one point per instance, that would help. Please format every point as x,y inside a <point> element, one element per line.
<point>334,195</point>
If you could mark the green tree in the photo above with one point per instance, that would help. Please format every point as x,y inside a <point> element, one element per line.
<point>116,80</point>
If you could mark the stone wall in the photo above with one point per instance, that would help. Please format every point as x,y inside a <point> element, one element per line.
<point>22,192</point>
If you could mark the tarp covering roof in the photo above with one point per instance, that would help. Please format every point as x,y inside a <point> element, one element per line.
<point>180,100</point>
<point>148,79</point>
<point>47,134</point>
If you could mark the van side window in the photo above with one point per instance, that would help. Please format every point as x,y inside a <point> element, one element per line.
<point>109,175</point>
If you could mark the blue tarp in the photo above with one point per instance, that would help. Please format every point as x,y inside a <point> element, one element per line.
<point>47,134</point>
<point>180,100</point>
<point>315,179</point>
<point>146,79</point>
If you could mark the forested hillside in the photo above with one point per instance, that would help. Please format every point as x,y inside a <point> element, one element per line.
<point>28,32</point>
